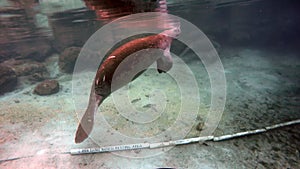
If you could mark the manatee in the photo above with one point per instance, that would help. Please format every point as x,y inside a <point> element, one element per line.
<point>116,69</point>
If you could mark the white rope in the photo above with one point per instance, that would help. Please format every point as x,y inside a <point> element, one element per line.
<point>178,142</point>
<point>139,146</point>
<point>163,144</point>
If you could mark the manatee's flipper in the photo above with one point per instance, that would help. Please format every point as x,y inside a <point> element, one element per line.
<point>87,121</point>
<point>165,63</point>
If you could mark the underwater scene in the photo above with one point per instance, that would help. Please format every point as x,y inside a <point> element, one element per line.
<point>130,84</point>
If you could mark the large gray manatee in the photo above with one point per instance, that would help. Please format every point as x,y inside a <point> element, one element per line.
<point>120,67</point>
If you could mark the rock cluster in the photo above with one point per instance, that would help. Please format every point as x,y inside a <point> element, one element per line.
<point>36,71</point>
<point>26,67</point>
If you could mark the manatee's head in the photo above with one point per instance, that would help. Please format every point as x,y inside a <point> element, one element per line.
<point>173,32</point>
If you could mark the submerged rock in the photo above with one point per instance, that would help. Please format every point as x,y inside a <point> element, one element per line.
<point>68,58</point>
<point>8,79</point>
<point>47,87</point>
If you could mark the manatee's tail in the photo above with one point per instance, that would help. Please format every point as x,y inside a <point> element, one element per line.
<point>87,121</point>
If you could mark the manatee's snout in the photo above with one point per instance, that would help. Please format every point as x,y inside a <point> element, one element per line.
<point>173,32</point>
<point>176,31</point>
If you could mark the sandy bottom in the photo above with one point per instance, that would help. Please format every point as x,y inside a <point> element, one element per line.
<point>262,90</point>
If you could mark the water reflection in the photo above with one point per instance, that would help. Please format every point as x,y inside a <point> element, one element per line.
<point>52,25</point>
<point>107,10</point>
<point>59,24</point>
<point>20,31</point>
<point>72,27</point>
